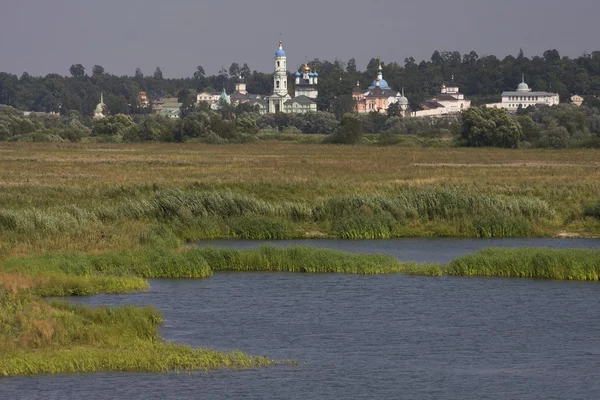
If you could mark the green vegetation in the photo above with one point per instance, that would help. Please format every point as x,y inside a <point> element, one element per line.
<point>86,218</point>
<point>39,337</point>
<point>111,197</point>
<point>562,264</point>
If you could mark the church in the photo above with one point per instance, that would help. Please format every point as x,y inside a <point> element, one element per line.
<point>378,97</point>
<point>305,93</point>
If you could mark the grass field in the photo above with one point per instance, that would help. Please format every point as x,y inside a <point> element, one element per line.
<point>97,197</point>
<point>82,219</point>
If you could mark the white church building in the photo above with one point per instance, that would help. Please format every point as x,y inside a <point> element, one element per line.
<point>524,97</point>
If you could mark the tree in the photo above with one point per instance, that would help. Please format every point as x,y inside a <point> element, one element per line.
<point>350,131</point>
<point>351,67</point>
<point>97,70</point>
<point>531,132</point>
<point>188,103</point>
<point>138,74</point>
<point>158,73</point>
<point>234,70</point>
<point>488,127</point>
<point>77,70</point>
<point>245,71</point>
<point>342,105</point>
<point>554,136</point>
<point>394,110</point>
<point>200,73</point>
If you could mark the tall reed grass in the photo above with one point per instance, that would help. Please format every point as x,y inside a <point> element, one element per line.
<point>226,214</point>
<point>299,259</point>
<point>38,337</point>
<point>562,264</point>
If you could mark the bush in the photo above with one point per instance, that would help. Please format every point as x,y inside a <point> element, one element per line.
<point>349,132</point>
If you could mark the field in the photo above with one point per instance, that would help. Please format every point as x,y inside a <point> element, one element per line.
<point>82,219</point>
<point>97,197</point>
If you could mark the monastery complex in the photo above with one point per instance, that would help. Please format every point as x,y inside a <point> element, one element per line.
<point>378,97</point>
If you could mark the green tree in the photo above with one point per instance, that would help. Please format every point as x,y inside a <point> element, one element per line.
<point>394,110</point>
<point>245,71</point>
<point>158,73</point>
<point>531,132</point>
<point>77,70</point>
<point>234,70</point>
<point>97,70</point>
<point>200,73</point>
<point>350,131</point>
<point>488,127</point>
<point>351,66</point>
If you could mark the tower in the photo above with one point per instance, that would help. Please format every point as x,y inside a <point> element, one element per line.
<point>280,76</point>
<point>100,108</point>
<point>280,90</point>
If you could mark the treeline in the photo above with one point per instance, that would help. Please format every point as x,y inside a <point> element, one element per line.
<point>560,126</point>
<point>481,78</point>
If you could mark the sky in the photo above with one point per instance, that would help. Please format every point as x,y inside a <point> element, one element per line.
<point>48,36</point>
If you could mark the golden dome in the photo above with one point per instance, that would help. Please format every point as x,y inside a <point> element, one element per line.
<point>306,68</point>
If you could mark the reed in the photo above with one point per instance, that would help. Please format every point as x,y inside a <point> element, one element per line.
<point>301,259</point>
<point>38,337</point>
<point>542,263</point>
<point>137,357</point>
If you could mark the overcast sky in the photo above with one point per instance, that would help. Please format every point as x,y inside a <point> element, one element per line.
<point>43,36</point>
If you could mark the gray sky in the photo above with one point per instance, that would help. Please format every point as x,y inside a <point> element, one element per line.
<point>43,36</point>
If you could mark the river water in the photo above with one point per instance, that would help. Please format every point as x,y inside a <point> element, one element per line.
<point>366,337</point>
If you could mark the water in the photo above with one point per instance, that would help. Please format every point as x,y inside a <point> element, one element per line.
<point>363,337</point>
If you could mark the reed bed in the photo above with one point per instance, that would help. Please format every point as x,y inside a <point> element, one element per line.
<point>38,337</point>
<point>197,215</point>
<point>138,357</point>
<point>301,259</point>
<point>542,263</point>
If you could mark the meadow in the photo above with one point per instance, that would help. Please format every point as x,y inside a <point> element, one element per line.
<point>81,219</point>
<point>91,197</point>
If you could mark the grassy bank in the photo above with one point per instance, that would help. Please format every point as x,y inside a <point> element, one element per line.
<point>40,337</point>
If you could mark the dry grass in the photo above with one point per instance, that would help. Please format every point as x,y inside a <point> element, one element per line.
<point>94,175</point>
<point>336,167</point>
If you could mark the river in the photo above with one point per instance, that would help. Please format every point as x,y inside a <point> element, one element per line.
<point>366,337</point>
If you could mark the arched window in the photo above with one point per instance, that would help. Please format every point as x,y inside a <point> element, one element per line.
<point>277,84</point>
<point>278,64</point>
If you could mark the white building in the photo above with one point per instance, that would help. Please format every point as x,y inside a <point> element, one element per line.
<point>100,111</point>
<point>449,101</point>
<point>524,97</point>
<point>212,98</point>
<point>280,91</point>
<point>306,88</point>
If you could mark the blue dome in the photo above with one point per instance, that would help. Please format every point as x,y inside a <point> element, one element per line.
<point>382,84</point>
<point>280,53</point>
<point>316,75</point>
<point>312,74</point>
<point>298,74</point>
